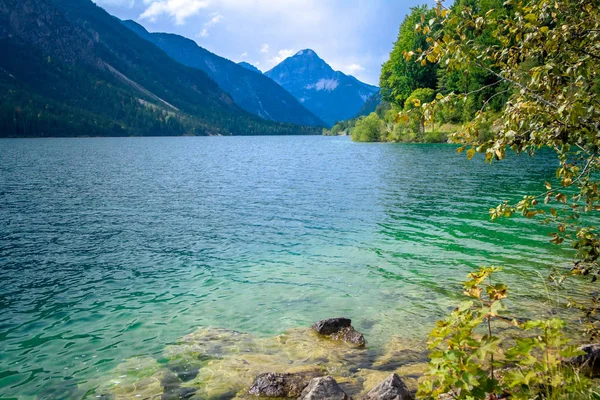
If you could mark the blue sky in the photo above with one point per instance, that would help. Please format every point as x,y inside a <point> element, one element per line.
<point>354,36</point>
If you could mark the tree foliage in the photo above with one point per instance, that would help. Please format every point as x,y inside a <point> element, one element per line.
<point>413,114</point>
<point>400,76</point>
<point>548,55</point>
<point>544,56</point>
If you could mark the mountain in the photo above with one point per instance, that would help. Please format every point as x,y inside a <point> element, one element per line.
<point>253,92</point>
<point>330,95</point>
<point>249,66</point>
<point>370,106</point>
<point>71,69</point>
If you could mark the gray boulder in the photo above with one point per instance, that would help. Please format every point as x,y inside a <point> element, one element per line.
<point>349,335</point>
<point>287,385</point>
<point>325,388</point>
<point>339,329</point>
<point>331,325</point>
<point>392,388</point>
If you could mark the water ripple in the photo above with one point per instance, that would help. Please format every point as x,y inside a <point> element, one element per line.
<point>116,247</point>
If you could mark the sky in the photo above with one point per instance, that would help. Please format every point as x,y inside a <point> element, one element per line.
<point>353,36</point>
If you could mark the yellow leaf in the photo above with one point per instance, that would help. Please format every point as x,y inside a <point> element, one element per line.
<point>470,153</point>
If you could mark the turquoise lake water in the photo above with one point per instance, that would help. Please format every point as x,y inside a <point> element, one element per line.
<point>112,248</point>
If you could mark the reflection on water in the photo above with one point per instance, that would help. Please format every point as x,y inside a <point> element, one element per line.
<point>116,248</point>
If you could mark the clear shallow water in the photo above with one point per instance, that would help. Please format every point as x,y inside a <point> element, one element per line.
<point>111,248</point>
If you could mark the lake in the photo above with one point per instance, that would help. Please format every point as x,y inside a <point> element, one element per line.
<point>113,248</point>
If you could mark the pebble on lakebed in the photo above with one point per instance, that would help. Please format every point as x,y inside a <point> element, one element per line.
<point>223,364</point>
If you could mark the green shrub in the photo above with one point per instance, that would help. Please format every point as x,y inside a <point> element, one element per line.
<point>368,129</point>
<point>469,360</point>
<point>435,136</point>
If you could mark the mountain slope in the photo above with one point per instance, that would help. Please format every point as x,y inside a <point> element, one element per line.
<point>249,66</point>
<point>370,106</point>
<point>330,95</point>
<point>253,92</point>
<point>70,69</point>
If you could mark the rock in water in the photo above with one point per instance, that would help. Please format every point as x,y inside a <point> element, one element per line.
<point>331,325</point>
<point>325,388</point>
<point>349,335</point>
<point>392,388</point>
<point>287,385</point>
<point>339,329</point>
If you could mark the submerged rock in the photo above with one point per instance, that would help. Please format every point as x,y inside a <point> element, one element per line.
<point>309,348</point>
<point>392,388</point>
<point>225,363</point>
<point>137,377</point>
<point>324,388</point>
<point>339,329</point>
<point>287,385</point>
<point>172,389</point>
<point>217,364</point>
<point>349,335</point>
<point>400,352</point>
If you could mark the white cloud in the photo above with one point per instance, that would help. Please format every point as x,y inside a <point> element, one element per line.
<point>282,55</point>
<point>214,20</point>
<point>244,55</point>
<point>265,48</point>
<point>118,3</point>
<point>353,68</point>
<point>179,10</point>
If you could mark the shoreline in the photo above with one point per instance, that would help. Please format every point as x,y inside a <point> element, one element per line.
<point>214,363</point>
<point>220,364</point>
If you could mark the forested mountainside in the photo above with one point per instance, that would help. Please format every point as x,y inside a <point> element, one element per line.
<point>71,69</point>
<point>254,92</point>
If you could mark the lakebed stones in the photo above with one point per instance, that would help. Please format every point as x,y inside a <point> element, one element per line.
<point>282,385</point>
<point>392,388</point>
<point>211,364</point>
<point>136,377</point>
<point>340,329</point>
<point>324,388</point>
<point>370,378</point>
<point>225,363</point>
<point>402,352</point>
